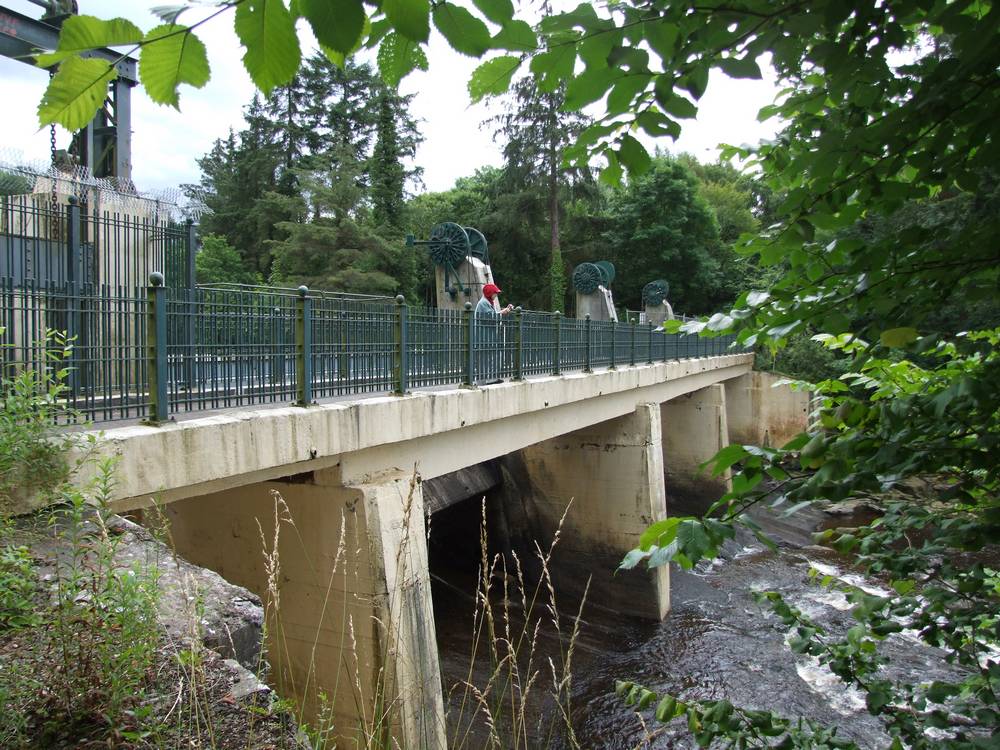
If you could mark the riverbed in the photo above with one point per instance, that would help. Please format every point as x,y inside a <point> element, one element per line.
<point>715,643</point>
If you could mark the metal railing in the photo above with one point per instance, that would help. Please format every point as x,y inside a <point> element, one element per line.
<point>151,345</point>
<point>155,352</point>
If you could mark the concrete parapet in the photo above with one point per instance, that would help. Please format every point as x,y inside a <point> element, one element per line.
<point>612,472</point>
<point>760,412</point>
<point>441,430</point>
<point>694,430</point>
<point>352,619</point>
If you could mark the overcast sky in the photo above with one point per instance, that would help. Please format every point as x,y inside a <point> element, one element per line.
<point>165,142</point>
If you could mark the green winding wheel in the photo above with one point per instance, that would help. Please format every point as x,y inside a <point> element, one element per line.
<point>477,244</point>
<point>587,277</point>
<point>655,292</point>
<point>448,244</point>
<point>607,271</point>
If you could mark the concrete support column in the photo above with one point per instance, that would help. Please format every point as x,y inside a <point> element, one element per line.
<point>760,412</point>
<point>695,428</point>
<point>353,618</point>
<point>613,473</point>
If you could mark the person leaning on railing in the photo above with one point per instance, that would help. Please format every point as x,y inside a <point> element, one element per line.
<point>488,313</point>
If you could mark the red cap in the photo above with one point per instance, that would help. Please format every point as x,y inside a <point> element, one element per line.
<point>489,290</point>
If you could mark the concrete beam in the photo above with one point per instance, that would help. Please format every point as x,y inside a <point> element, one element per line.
<point>439,431</point>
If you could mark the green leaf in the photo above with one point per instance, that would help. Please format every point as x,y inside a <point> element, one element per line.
<point>624,91</point>
<point>82,33</point>
<point>662,37</point>
<point>659,533</point>
<point>267,31</point>
<point>589,86</point>
<point>740,67</point>
<point>166,13</point>
<point>612,173</point>
<point>464,32</point>
<point>667,709</point>
<point>692,540</point>
<point>631,559</point>
<point>554,66</point>
<point>397,56</point>
<point>678,106</point>
<point>497,11</point>
<point>516,36</point>
<point>696,81</point>
<point>75,92</point>
<point>171,56</point>
<point>411,18</point>
<point>725,458</point>
<point>634,156</point>
<point>898,337</point>
<point>337,24</point>
<point>657,124</point>
<point>622,687</point>
<point>493,77</point>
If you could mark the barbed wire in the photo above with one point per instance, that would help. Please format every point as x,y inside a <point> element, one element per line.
<point>22,176</point>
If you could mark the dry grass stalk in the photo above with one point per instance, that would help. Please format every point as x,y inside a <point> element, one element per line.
<point>502,703</point>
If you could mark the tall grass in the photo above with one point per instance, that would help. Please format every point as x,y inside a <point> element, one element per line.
<point>502,703</point>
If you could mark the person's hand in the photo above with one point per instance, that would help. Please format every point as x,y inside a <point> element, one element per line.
<point>508,308</point>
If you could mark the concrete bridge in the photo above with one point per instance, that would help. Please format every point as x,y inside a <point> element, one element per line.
<point>356,620</point>
<point>358,479</point>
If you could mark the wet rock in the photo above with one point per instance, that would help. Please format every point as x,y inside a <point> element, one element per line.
<point>851,508</point>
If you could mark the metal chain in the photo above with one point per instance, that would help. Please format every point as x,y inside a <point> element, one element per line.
<point>53,196</point>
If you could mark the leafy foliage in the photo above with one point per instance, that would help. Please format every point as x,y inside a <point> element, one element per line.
<point>661,227</point>
<point>18,585</point>
<point>217,261</point>
<point>879,213</point>
<point>536,131</point>
<point>31,458</point>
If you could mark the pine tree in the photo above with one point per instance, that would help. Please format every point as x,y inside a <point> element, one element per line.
<point>536,131</point>
<point>306,156</point>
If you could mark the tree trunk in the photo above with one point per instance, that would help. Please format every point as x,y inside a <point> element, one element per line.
<point>557,279</point>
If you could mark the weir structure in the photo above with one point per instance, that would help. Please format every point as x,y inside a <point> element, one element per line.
<point>310,424</point>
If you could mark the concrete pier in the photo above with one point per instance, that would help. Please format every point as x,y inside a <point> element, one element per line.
<point>761,412</point>
<point>612,473</point>
<point>695,428</point>
<point>352,619</point>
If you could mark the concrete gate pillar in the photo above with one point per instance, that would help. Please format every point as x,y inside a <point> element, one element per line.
<point>694,430</point>
<point>613,473</point>
<point>355,620</point>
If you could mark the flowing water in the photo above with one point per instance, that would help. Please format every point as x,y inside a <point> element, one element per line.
<point>715,643</point>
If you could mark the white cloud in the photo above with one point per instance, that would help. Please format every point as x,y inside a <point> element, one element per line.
<point>166,143</point>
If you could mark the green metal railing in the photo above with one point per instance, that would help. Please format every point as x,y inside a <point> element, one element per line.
<point>150,345</point>
<point>157,352</point>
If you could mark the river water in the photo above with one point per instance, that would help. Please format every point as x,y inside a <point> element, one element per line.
<point>715,643</point>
